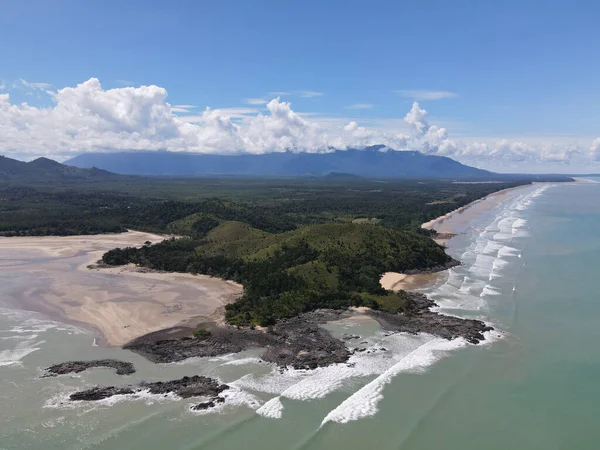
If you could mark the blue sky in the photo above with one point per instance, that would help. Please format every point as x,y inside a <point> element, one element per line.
<point>524,72</point>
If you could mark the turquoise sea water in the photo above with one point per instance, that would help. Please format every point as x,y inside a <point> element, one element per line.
<point>531,268</point>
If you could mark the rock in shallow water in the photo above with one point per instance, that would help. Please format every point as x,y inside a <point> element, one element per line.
<point>186,387</point>
<point>300,342</point>
<point>121,367</point>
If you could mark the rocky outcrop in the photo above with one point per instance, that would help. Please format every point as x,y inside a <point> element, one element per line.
<point>300,342</point>
<point>420,319</point>
<point>100,393</point>
<point>209,404</point>
<point>186,387</point>
<point>297,342</point>
<point>121,367</point>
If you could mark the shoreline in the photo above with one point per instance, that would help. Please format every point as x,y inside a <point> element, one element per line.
<point>448,226</point>
<point>300,342</point>
<point>491,200</point>
<point>116,304</point>
<point>126,303</point>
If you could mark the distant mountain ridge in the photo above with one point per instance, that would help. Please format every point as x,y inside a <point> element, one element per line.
<point>47,170</point>
<point>370,162</point>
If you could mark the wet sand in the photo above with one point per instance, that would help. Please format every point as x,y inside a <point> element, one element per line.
<point>459,220</point>
<point>448,226</point>
<point>394,281</point>
<point>120,303</point>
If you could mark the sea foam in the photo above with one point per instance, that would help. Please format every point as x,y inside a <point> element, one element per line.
<point>364,402</point>
<point>13,357</point>
<point>273,409</point>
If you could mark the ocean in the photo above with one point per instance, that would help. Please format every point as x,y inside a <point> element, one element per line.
<point>530,268</point>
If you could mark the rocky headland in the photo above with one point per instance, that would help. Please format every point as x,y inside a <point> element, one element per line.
<point>300,342</point>
<point>420,319</point>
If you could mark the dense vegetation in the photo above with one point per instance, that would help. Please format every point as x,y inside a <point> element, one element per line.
<point>318,266</point>
<point>295,244</point>
<point>273,205</point>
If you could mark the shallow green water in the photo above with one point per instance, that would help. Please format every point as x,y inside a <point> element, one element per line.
<point>530,267</point>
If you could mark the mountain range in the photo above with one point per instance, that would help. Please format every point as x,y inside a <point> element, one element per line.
<point>338,164</point>
<point>47,170</point>
<point>370,162</point>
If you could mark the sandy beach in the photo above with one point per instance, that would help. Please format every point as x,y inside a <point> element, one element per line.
<point>394,281</point>
<point>457,221</point>
<point>448,226</point>
<point>119,303</point>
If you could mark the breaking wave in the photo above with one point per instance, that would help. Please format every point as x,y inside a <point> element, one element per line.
<point>363,403</point>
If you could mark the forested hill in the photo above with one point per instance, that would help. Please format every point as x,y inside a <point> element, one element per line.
<point>47,170</point>
<point>295,244</point>
<point>285,274</point>
<point>370,162</point>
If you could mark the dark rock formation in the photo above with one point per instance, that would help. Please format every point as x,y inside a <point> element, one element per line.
<point>298,342</point>
<point>420,319</point>
<point>186,387</point>
<point>122,368</point>
<point>209,404</point>
<point>99,393</point>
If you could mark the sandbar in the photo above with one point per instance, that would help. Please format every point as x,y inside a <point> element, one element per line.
<point>51,275</point>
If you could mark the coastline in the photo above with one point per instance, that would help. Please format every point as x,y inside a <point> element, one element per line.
<point>447,226</point>
<point>452,223</point>
<point>119,304</point>
<point>126,303</point>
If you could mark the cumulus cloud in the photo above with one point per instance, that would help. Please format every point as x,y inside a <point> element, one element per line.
<point>415,118</point>
<point>418,94</point>
<point>432,139</point>
<point>88,117</point>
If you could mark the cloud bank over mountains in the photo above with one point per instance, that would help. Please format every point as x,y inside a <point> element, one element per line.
<point>89,118</point>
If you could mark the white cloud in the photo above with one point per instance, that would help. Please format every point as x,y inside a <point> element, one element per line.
<point>303,94</point>
<point>256,101</point>
<point>230,113</point>
<point>2,86</point>
<point>360,106</point>
<point>309,94</point>
<point>595,150</point>
<point>88,117</point>
<point>415,118</point>
<point>417,94</point>
<point>30,85</point>
<point>182,108</point>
